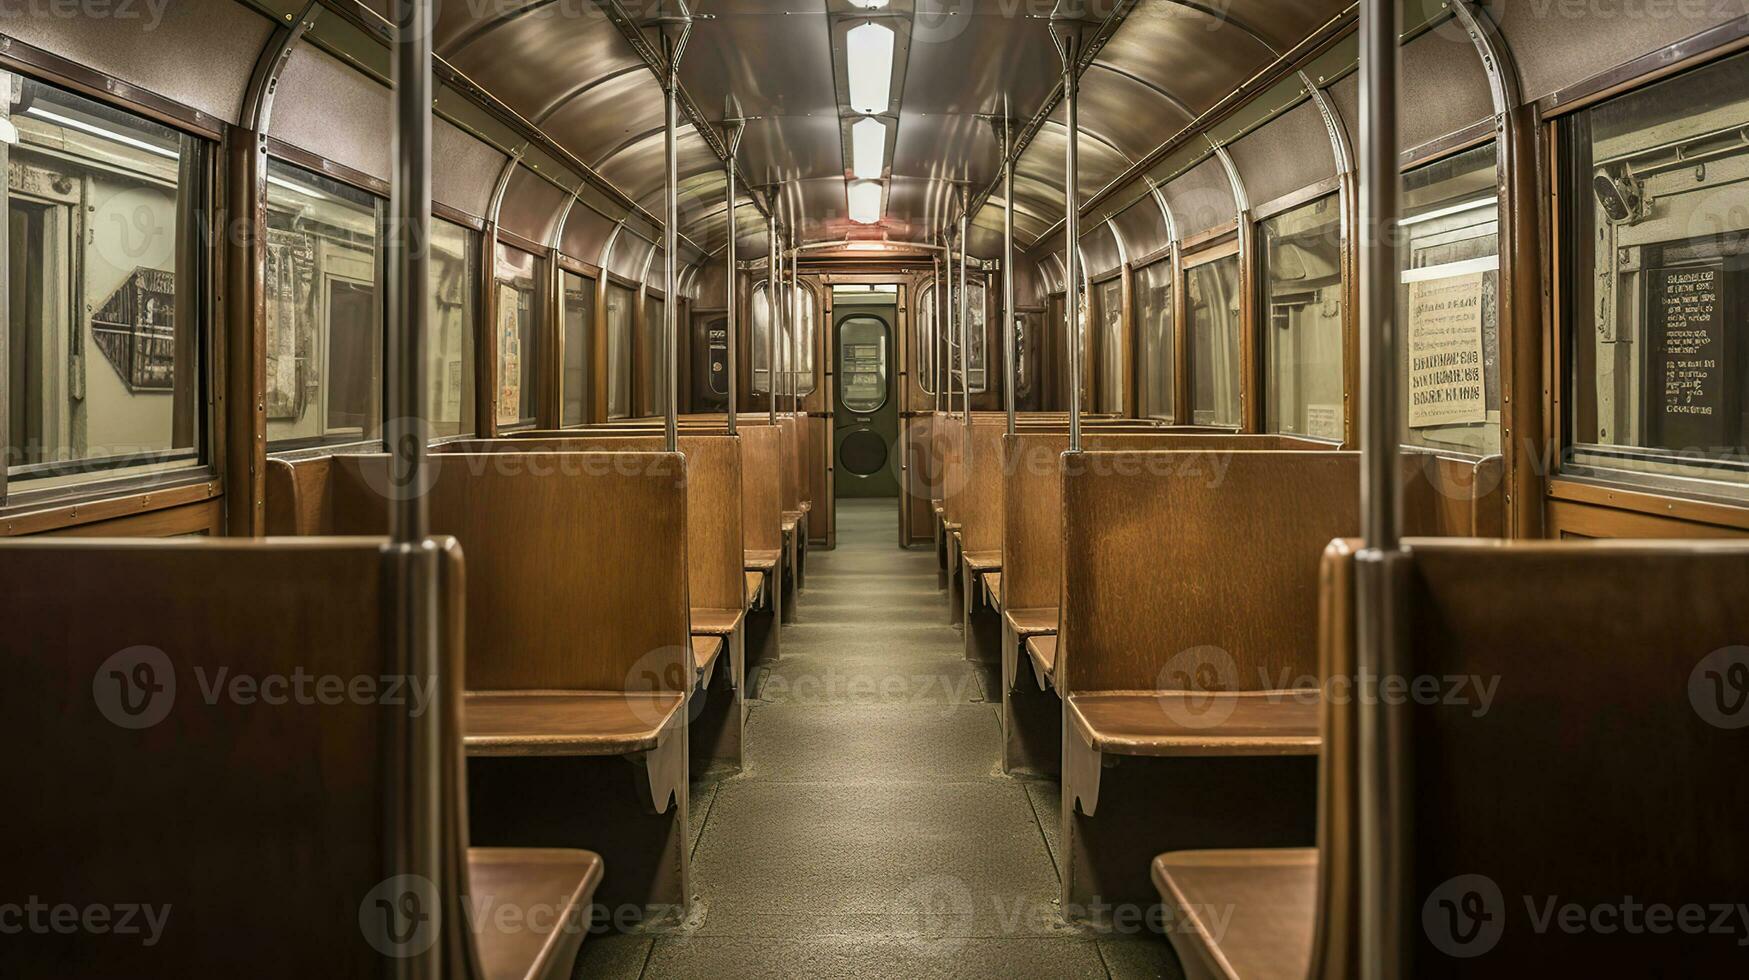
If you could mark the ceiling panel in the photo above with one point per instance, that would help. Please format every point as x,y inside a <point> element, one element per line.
<point>775,58</point>
<point>1196,56</point>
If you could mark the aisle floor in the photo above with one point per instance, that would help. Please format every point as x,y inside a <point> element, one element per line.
<point>872,832</point>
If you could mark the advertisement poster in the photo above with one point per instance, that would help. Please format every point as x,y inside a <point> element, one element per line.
<point>1445,352</point>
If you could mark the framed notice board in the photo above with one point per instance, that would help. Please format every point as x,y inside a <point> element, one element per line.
<point>1694,368</point>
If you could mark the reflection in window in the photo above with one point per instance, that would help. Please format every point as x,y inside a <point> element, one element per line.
<point>862,364</point>
<point>928,339</point>
<point>1658,371</point>
<point>976,306</point>
<point>1028,336</point>
<point>651,373</point>
<point>619,350</point>
<point>1211,295</point>
<point>798,359</point>
<point>449,367</point>
<point>518,337</point>
<point>578,302</point>
<point>1302,346</point>
<point>1451,310</point>
<point>324,311</point>
<point>1157,352</point>
<point>103,355</point>
<point>1110,339</point>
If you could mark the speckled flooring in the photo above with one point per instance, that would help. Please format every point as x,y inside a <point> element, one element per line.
<point>872,832</point>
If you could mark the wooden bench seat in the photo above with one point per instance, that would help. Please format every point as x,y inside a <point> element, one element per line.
<point>1246,914</point>
<point>530,878</point>
<point>763,560</point>
<point>1192,723</point>
<point>993,590</point>
<point>585,723</point>
<point>705,651</point>
<point>1041,648</point>
<point>754,583</point>
<point>720,622</point>
<point>1031,622</point>
<point>979,562</point>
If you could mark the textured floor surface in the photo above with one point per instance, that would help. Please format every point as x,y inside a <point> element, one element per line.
<point>872,832</point>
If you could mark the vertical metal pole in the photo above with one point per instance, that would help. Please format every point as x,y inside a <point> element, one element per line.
<point>410,564</point>
<point>1381,565</point>
<point>935,326</point>
<point>1011,323</point>
<point>771,316</point>
<point>947,325</point>
<point>965,327</point>
<point>1069,39</point>
<point>673,41</point>
<point>797,318</point>
<point>730,283</point>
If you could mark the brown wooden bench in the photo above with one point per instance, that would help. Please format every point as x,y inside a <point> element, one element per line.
<point>564,686</point>
<point>171,756</point>
<point>1603,766</point>
<point>716,583</point>
<point>1187,653</point>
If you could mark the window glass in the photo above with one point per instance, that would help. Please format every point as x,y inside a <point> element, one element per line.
<point>619,350</point>
<point>862,363</point>
<point>1450,304</point>
<point>928,339</point>
<point>1211,295</point>
<point>1158,352</point>
<point>976,298</point>
<point>324,303</point>
<point>579,312</point>
<point>449,369</point>
<point>1302,324</point>
<point>1658,280</point>
<point>1111,361</point>
<point>104,371</point>
<point>1027,338</point>
<point>807,334</point>
<point>762,341</point>
<point>518,337</point>
<point>652,371</point>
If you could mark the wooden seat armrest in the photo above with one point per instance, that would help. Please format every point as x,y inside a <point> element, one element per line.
<point>1198,723</point>
<point>718,622</point>
<point>705,650</point>
<point>585,723</point>
<point>754,584</point>
<point>763,561</point>
<point>982,561</point>
<point>526,878</point>
<point>1031,622</point>
<point>1241,914</point>
<point>1042,648</point>
<point>993,590</point>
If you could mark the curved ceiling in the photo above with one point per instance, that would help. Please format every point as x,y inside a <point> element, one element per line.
<point>581,71</point>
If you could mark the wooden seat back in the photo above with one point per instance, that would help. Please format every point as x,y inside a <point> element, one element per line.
<point>761,487</point>
<point>793,451</point>
<point>714,557</point>
<point>1032,498</point>
<point>1197,569</point>
<point>206,727</point>
<point>577,561</point>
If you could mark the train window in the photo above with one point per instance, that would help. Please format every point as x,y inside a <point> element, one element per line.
<point>808,323</point>
<point>1028,329</point>
<point>1111,342</point>
<point>862,363</point>
<point>103,354</point>
<point>517,334</point>
<point>650,375</point>
<point>577,294</point>
<point>1157,353</point>
<point>805,316</point>
<point>1658,280</point>
<point>322,278</point>
<point>976,300</point>
<point>455,282</point>
<point>1302,347</point>
<point>928,338</point>
<point>619,350</point>
<point>1211,296</point>
<point>1450,303</point>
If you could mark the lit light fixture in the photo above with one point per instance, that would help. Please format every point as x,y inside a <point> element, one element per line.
<point>865,201</point>
<point>102,133</point>
<point>868,4</point>
<point>868,52</point>
<point>868,148</point>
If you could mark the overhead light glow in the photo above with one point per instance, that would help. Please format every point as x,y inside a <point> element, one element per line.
<point>868,148</point>
<point>865,201</point>
<point>868,4</point>
<point>868,53</point>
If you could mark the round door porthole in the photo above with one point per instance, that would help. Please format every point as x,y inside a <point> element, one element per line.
<point>863,453</point>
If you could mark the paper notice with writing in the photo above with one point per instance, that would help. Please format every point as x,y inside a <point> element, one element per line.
<point>1445,351</point>
<point>509,357</point>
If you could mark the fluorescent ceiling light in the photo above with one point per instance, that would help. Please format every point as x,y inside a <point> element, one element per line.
<point>868,4</point>
<point>869,65</point>
<point>99,131</point>
<point>868,148</point>
<point>865,201</point>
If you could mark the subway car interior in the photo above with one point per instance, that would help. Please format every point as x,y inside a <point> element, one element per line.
<point>529,489</point>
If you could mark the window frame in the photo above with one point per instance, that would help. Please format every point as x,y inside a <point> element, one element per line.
<point>1333,191</point>
<point>1220,248</point>
<point>540,290</point>
<point>1166,259</point>
<point>59,506</point>
<point>564,265</point>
